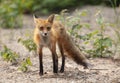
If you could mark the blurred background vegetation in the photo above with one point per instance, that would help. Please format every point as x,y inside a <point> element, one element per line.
<point>12,10</point>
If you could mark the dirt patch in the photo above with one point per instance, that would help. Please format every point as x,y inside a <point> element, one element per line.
<point>103,71</point>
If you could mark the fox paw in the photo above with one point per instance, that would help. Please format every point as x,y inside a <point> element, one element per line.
<point>88,66</point>
<point>41,73</point>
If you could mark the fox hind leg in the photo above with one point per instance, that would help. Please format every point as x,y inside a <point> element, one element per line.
<point>55,58</point>
<point>63,58</point>
<point>55,62</point>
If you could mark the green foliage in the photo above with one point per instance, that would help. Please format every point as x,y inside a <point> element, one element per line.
<point>8,55</point>
<point>101,46</point>
<point>28,43</point>
<point>13,57</point>
<point>46,6</point>
<point>102,43</point>
<point>25,64</point>
<point>11,11</point>
<point>30,46</point>
<point>10,17</point>
<point>50,5</point>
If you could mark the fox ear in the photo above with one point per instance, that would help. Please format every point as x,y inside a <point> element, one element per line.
<point>35,18</point>
<point>51,18</point>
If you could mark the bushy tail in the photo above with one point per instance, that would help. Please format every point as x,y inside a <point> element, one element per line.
<point>69,46</point>
<point>72,51</point>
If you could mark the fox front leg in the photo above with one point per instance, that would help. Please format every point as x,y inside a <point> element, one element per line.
<point>40,61</point>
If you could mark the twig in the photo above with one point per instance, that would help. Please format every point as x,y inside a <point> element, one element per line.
<point>98,69</point>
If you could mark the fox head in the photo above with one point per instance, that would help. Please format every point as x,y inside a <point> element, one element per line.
<point>44,26</point>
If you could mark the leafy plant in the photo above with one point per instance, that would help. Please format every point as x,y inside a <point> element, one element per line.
<point>30,46</point>
<point>101,47</point>
<point>25,64</point>
<point>8,55</point>
<point>101,44</point>
<point>28,43</point>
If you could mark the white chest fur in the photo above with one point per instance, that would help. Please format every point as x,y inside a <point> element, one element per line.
<point>45,41</point>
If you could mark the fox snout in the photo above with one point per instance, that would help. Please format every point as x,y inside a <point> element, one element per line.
<point>45,34</point>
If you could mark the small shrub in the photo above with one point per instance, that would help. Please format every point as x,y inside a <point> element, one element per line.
<point>8,55</point>
<point>100,46</point>
<point>25,64</point>
<point>28,43</point>
<point>102,43</point>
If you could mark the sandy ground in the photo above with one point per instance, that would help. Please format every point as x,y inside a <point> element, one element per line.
<point>103,71</point>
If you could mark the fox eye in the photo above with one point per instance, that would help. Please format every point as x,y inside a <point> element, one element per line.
<point>48,28</point>
<point>41,28</point>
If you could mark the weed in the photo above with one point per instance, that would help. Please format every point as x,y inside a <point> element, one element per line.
<point>28,42</point>
<point>8,55</point>
<point>25,64</point>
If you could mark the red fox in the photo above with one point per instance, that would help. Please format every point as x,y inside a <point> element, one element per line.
<point>48,33</point>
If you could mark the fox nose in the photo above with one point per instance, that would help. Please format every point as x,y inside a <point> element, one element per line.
<point>45,34</point>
